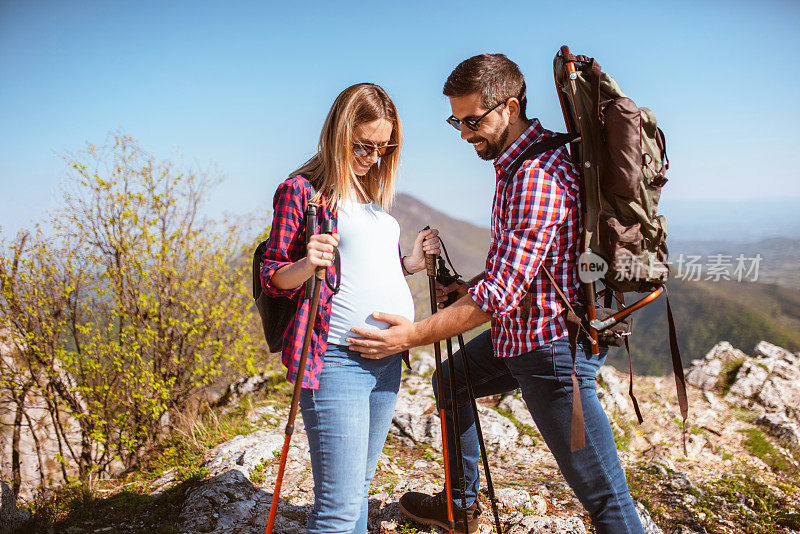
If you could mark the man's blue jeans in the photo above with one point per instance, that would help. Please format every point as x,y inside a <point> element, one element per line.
<point>346,421</point>
<point>593,472</point>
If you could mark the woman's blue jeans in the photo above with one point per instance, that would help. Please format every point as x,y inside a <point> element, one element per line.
<point>346,421</point>
<point>593,472</point>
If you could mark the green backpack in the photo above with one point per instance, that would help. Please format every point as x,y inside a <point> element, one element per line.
<point>622,157</point>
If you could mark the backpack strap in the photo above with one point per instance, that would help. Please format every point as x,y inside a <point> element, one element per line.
<point>261,249</point>
<point>540,148</point>
<point>677,368</point>
<point>621,300</point>
<point>574,327</point>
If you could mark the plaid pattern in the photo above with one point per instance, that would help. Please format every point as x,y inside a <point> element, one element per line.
<point>536,219</point>
<point>287,245</point>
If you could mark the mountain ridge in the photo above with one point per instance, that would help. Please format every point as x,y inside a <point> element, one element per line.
<point>705,311</point>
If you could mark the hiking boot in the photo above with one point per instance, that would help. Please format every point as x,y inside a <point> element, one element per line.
<point>432,510</point>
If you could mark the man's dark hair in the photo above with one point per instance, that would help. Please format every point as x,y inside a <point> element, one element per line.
<point>494,76</point>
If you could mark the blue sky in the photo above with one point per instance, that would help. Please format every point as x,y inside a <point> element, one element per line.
<point>247,86</point>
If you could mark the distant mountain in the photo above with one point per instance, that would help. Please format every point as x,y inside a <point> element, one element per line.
<point>706,312</point>
<point>780,256</point>
<point>728,220</point>
<point>467,244</point>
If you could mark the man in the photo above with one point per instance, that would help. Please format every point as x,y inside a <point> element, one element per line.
<point>536,224</point>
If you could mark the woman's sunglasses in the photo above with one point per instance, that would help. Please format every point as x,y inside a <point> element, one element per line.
<point>472,124</point>
<point>364,151</point>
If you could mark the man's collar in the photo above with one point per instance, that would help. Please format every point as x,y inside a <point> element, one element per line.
<point>526,139</point>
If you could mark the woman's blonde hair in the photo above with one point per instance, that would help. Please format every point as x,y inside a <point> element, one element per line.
<point>330,171</point>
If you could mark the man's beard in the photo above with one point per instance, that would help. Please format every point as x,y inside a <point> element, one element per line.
<point>492,149</point>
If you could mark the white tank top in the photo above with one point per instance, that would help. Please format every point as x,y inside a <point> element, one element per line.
<point>372,279</point>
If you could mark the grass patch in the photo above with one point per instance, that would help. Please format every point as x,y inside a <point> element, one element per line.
<point>432,456</point>
<point>746,502</point>
<point>82,506</point>
<point>761,448</point>
<point>258,472</point>
<point>125,504</point>
<point>624,436</point>
<point>524,429</point>
<point>743,414</point>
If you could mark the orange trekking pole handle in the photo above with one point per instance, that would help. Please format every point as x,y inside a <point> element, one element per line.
<point>624,312</point>
<point>430,268</point>
<point>319,276</point>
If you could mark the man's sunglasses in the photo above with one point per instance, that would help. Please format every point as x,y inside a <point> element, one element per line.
<point>472,124</point>
<point>364,151</point>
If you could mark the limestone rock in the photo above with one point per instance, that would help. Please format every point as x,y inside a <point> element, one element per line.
<point>549,525</point>
<point>243,453</point>
<point>768,350</point>
<point>418,428</point>
<point>245,386</point>
<point>538,505</point>
<point>164,482</point>
<point>11,517</point>
<point>613,395</point>
<point>514,499</point>
<point>648,524</point>
<point>229,503</point>
<point>705,373</point>
<point>517,407</point>
<point>424,365</point>
<point>499,432</point>
<point>780,426</point>
<point>749,380</point>
<point>769,382</point>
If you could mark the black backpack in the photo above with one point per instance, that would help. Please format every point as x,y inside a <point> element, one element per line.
<point>277,312</point>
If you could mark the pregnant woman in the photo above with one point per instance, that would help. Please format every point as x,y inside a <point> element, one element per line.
<point>347,400</point>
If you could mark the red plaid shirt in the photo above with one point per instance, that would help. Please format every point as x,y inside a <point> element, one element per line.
<point>536,219</point>
<point>287,245</point>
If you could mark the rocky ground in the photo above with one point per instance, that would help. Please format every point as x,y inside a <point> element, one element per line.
<point>739,473</point>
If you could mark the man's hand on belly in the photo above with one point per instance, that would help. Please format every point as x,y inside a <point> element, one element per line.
<point>402,334</point>
<point>377,344</point>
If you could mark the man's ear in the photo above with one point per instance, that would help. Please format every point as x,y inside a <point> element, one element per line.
<point>512,105</point>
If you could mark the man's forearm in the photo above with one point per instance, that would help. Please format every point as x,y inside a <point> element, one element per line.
<point>457,318</point>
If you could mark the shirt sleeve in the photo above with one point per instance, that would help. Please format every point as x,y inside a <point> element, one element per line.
<point>536,208</point>
<point>286,237</point>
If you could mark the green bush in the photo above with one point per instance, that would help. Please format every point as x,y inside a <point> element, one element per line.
<point>126,307</point>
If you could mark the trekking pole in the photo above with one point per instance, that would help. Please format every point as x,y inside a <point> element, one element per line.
<point>445,279</point>
<point>319,275</point>
<point>442,272</point>
<point>430,268</point>
<point>457,430</point>
<point>484,457</point>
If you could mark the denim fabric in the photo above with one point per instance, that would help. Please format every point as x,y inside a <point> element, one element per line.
<point>346,421</point>
<point>593,472</point>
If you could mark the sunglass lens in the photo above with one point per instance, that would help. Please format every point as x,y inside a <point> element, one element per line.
<point>454,122</point>
<point>386,150</point>
<point>361,151</point>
